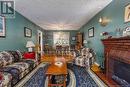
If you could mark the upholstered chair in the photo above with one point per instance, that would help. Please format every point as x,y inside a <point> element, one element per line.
<point>83,59</point>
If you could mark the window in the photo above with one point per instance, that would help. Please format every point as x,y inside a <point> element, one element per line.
<point>61,38</point>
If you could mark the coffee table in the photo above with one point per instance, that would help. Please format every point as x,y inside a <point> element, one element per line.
<point>54,69</point>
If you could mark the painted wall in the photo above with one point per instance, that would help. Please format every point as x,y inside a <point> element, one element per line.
<point>50,36</point>
<point>15,38</point>
<point>115,12</point>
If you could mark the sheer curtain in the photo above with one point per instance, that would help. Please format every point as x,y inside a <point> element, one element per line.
<point>61,38</point>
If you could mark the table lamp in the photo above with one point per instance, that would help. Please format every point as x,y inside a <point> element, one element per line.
<point>85,41</point>
<point>30,46</point>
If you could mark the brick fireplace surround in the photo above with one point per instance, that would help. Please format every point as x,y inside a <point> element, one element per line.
<point>116,49</point>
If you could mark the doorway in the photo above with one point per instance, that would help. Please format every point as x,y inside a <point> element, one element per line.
<point>40,42</point>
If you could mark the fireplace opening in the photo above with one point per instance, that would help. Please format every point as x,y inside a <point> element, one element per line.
<point>121,73</point>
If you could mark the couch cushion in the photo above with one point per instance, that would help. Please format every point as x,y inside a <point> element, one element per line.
<point>6,79</point>
<point>32,63</point>
<point>20,53</point>
<point>5,58</point>
<point>14,72</point>
<point>17,70</point>
<point>21,66</point>
<point>15,55</point>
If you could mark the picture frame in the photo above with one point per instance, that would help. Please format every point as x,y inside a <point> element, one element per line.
<point>2,27</point>
<point>27,32</point>
<point>91,32</point>
<point>127,13</point>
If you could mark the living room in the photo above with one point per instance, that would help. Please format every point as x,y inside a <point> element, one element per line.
<point>88,42</point>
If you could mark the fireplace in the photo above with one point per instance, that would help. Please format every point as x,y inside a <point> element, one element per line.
<point>117,60</point>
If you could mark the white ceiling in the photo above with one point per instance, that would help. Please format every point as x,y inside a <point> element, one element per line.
<point>60,14</point>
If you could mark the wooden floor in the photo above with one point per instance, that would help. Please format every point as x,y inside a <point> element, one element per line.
<point>103,77</point>
<point>50,58</point>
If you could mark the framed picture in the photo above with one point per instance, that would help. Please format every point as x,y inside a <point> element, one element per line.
<point>2,26</point>
<point>91,32</point>
<point>73,38</point>
<point>27,32</point>
<point>127,13</point>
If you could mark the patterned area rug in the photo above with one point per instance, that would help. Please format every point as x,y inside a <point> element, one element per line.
<point>38,79</point>
<point>83,79</point>
<point>70,78</point>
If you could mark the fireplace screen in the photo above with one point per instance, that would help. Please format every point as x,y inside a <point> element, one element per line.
<point>121,73</point>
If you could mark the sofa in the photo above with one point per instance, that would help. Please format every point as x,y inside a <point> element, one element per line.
<point>84,57</point>
<point>13,67</point>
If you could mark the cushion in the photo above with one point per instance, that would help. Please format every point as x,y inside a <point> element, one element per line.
<point>21,66</point>
<point>29,55</point>
<point>20,53</point>
<point>31,62</point>
<point>5,58</point>
<point>6,79</point>
<point>17,70</point>
<point>14,73</point>
<point>15,55</point>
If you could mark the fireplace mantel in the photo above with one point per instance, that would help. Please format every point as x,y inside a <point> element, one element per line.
<point>117,43</point>
<point>116,48</point>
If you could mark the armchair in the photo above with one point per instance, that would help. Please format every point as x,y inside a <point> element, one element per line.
<point>82,58</point>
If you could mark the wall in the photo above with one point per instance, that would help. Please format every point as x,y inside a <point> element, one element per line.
<point>50,33</point>
<point>15,38</point>
<point>115,12</point>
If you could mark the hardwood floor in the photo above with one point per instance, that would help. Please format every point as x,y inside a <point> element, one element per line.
<point>50,58</point>
<point>103,77</point>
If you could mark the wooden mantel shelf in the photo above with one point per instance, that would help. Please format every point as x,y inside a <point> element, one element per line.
<point>120,38</point>
<point>122,43</point>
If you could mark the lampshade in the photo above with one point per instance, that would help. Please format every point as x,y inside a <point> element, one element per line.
<point>85,41</point>
<point>30,44</point>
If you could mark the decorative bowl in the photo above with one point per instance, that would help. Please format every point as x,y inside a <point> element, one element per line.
<point>58,63</point>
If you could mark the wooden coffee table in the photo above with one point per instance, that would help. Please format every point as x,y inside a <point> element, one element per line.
<point>54,69</point>
<point>57,70</point>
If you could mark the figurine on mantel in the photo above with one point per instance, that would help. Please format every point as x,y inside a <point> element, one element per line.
<point>126,31</point>
<point>104,35</point>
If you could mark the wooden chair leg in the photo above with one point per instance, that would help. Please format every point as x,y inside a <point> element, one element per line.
<point>49,80</point>
<point>65,80</point>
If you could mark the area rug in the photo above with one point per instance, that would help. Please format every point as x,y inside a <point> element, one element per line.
<point>82,78</point>
<point>38,79</point>
<point>70,81</point>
